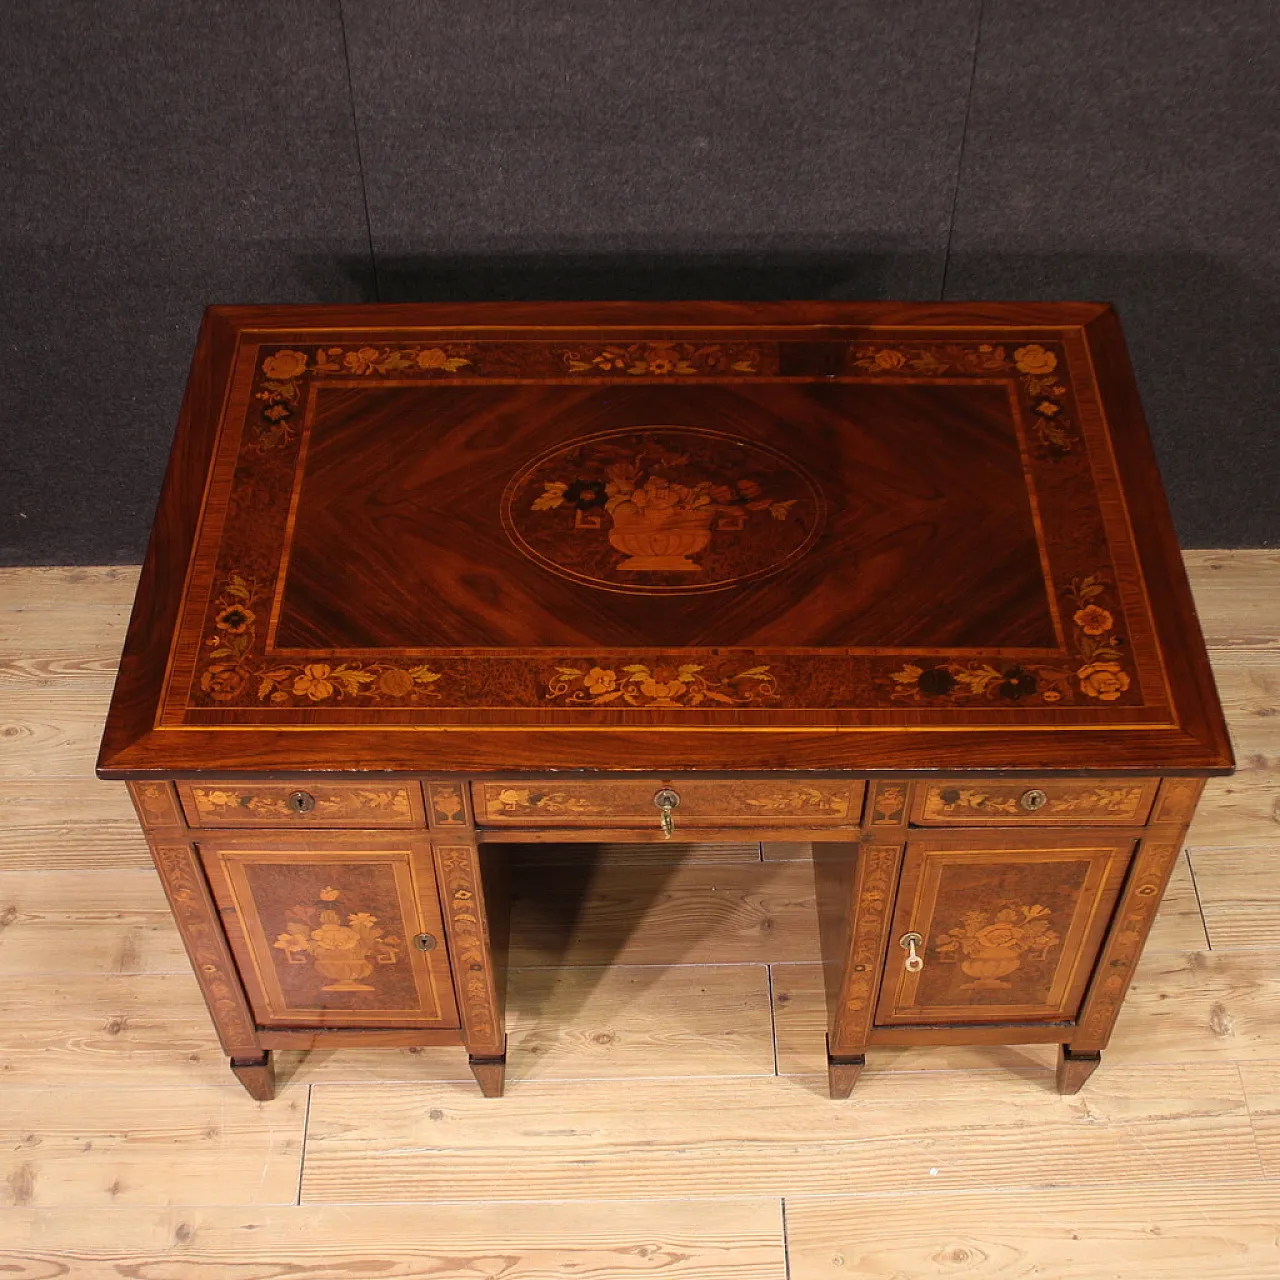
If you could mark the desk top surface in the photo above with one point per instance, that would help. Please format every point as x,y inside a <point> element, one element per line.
<point>663,536</point>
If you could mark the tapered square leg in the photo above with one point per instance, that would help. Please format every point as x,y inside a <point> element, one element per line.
<point>843,1073</point>
<point>258,1075</point>
<point>490,1074</point>
<point>1075,1068</point>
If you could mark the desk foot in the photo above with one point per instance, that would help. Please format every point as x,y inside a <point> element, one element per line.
<point>258,1075</point>
<point>843,1073</point>
<point>1075,1068</point>
<point>490,1074</point>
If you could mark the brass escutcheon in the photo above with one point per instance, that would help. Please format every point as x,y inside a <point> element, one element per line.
<point>666,800</point>
<point>1033,800</point>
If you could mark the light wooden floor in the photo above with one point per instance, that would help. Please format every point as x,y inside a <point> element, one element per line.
<point>665,1114</point>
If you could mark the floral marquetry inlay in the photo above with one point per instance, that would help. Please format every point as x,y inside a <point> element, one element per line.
<point>235,668</point>
<point>1007,801</point>
<point>343,945</point>
<point>228,804</point>
<point>1098,670</point>
<point>1034,368</point>
<point>706,529</point>
<point>689,684</point>
<point>990,945</point>
<point>663,510</point>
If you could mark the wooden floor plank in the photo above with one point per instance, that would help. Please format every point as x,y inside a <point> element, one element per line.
<point>1148,1233</point>
<point>1240,895</point>
<point>660,1239</point>
<point>68,586</point>
<point>86,922</point>
<point>1237,595</point>
<point>768,1135</point>
<point>1250,693</point>
<point>640,1021</point>
<point>1243,809</point>
<point>41,802</point>
<point>74,846</point>
<point>1262,1093</point>
<point>1179,925</point>
<point>143,1031</point>
<point>152,1030</point>
<point>691,914</point>
<point>1197,1006</point>
<point>48,733</point>
<point>103,1146</point>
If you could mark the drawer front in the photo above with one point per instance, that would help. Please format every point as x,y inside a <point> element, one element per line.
<point>334,930</point>
<point>1005,928</point>
<point>758,803</point>
<point>1047,802</point>
<point>302,804</point>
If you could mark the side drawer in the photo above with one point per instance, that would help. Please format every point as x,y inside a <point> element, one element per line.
<point>302,804</point>
<point>967,802</point>
<point>756,803</point>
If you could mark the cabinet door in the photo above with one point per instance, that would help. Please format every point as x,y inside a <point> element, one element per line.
<point>1011,926</point>
<point>329,929</point>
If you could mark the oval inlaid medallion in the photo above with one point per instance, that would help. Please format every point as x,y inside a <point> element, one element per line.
<point>663,510</point>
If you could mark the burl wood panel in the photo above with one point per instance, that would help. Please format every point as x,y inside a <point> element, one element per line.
<point>1034,802</point>
<point>594,520</point>
<point>324,929</point>
<point>764,803</point>
<point>322,804</point>
<point>1010,927</point>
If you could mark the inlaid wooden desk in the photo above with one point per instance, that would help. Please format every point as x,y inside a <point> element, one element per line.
<point>895,579</point>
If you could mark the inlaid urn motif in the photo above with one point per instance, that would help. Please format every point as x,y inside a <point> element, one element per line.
<point>993,944</point>
<point>663,509</point>
<point>343,952</point>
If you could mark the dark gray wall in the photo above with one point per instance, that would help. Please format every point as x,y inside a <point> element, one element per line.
<point>158,155</point>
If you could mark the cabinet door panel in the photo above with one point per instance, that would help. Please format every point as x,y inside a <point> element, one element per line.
<point>323,928</point>
<point>1011,926</point>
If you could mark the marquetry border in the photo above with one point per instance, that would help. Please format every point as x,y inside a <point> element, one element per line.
<point>887,804</point>
<point>1133,920</point>
<point>156,804</point>
<point>226,688</point>
<point>466,922</point>
<point>870,907</point>
<point>201,931</point>
<point>448,805</point>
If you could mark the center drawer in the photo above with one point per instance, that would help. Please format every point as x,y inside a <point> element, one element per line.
<point>758,803</point>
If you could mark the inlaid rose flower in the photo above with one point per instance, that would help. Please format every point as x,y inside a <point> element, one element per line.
<point>889,359</point>
<point>284,365</point>
<point>1103,680</point>
<point>1034,359</point>
<point>222,682</point>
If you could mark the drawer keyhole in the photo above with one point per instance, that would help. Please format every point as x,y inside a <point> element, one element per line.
<point>666,801</point>
<point>301,802</point>
<point>1033,800</point>
<point>424,942</point>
